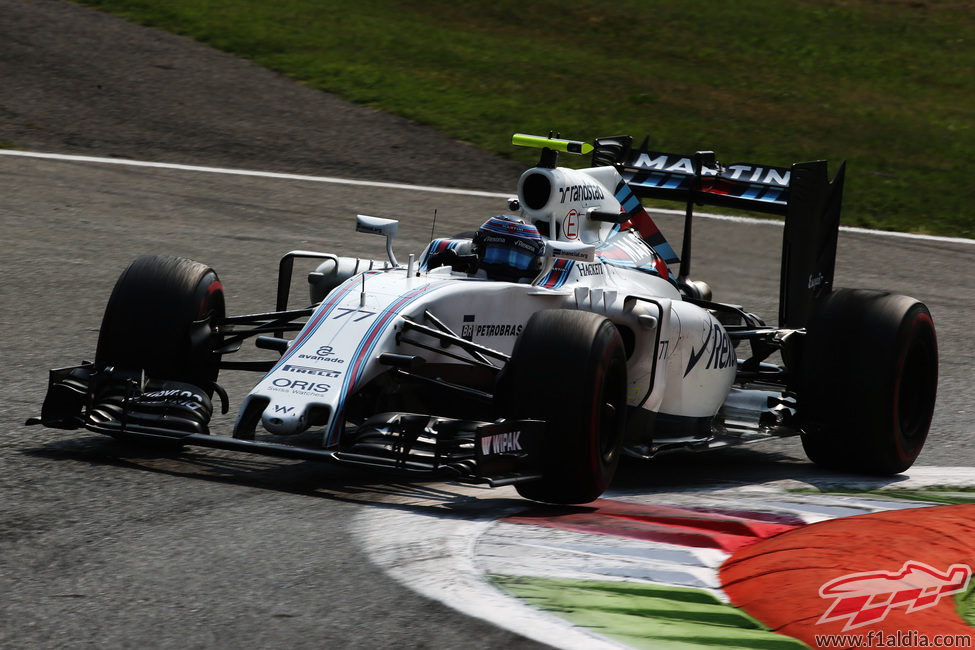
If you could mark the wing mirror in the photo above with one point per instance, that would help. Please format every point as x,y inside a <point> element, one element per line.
<point>379,226</point>
<point>565,250</point>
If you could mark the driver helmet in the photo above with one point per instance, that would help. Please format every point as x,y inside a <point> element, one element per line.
<point>509,249</point>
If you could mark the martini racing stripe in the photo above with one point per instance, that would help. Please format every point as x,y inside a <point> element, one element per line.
<point>558,275</point>
<point>770,189</point>
<point>323,313</point>
<point>439,246</point>
<point>365,350</point>
<point>641,220</point>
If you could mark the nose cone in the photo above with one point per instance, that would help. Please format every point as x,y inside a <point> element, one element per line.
<point>284,420</point>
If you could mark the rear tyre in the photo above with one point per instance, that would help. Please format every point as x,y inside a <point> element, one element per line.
<point>569,369</point>
<point>161,318</point>
<point>868,381</point>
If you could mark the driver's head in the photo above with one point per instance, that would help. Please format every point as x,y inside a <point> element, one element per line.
<point>509,249</point>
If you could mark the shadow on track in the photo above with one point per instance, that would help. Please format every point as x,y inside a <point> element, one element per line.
<point>306,478</point>
<point>678,471</point>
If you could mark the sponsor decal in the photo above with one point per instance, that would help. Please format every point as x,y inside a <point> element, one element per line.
<point>467,329</point>
<point>312,357</point>
<point>501,443</point>
<point>722,351</point>
<point>777,176</point>
<point>583,192</point>
<point>628,248</point>
<point>185,398</point>
<point>586,270</point>
<point>301,386</point>
<point>532,247</point>
<point>174,392</point>
<point>307,370</point>
<point>665,163</point>
<point>755,174</point>
<point>498,329</point>
<point>867,597</point>
<point>581,253</point>
<point>324,354</point>
<point>470,329</point>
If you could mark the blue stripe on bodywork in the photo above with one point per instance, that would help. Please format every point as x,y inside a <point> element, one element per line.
<point>631,203</point>
<point>320,317</point>
<point>558,275</point>
<point>364,352</point>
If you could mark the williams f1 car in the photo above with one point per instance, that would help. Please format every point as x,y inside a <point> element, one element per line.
<point>534,351</point>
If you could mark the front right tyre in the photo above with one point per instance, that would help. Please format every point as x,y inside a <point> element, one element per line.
<point>161,318</point>
<point>569,368</point>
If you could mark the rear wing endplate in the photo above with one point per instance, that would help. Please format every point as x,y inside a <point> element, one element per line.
<point>803,194</point>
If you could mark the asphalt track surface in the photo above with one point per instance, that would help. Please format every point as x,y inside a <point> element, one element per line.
<point>107,545</point>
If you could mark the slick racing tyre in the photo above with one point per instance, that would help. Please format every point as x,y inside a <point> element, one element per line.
<point>868,381</point>
<point>569,369</point>
<point>161,318</point>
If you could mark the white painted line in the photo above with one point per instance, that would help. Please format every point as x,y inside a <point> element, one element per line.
<point>245,172</point>
<point>428,188</point>
<point>774,221</point>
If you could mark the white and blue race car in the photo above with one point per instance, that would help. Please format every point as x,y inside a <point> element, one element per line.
<point>534,351</point>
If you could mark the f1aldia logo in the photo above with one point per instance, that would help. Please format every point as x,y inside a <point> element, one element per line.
<point>867,597</point>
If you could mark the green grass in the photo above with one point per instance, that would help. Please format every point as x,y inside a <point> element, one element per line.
<point>965,603</point>
<point>884,84</point>
<point>643,615</point>
<point>946,495</point>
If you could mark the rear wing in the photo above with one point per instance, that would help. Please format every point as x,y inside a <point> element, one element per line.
<point>802,193</point>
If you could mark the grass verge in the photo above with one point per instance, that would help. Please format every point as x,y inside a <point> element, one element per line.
<point>884,85</point>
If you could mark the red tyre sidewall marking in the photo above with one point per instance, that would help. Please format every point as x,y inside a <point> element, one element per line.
<point>207,300</point>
